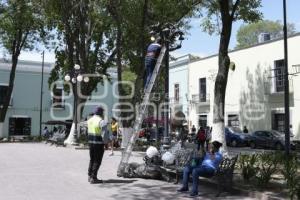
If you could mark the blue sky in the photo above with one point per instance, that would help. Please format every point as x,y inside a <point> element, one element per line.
<point>202,44</point>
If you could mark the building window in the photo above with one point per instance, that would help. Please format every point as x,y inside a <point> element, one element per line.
<point>19,126</point>
<point>57,98</point>
<point>233,121</point>
<point>279,78</point>
<point>279,122</point>
<point>3,93</point>
<point>202,122</point>
<point>202,89</point>
<point>176,92</point>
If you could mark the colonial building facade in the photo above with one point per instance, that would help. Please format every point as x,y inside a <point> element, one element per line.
<point>255,88</point>
<point>23,116</point>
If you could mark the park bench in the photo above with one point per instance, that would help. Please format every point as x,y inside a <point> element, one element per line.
<point>182,158</point>
<point>223,176</point>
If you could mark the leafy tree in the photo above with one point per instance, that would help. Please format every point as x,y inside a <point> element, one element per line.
<point>85,33</point>
<point>220,15</point>
<point>132,21</point>
<point>21,27</point>
<point>137,19</point>
<point>247,35</point>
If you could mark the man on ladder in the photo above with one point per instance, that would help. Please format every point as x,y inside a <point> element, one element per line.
<point>150,59</point>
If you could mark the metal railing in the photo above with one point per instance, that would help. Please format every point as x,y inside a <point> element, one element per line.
<point>201,98</point>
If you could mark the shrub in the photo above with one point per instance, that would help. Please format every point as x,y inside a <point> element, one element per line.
<point>37,138</point>
<point>267,166</point>
<point>247,163</point>
<point>83,139</point>
<point>291,176</point>
<point>30,137</point>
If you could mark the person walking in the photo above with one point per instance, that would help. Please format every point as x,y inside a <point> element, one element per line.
<point>97,136</point>
<point>201,139</point>
<point>46,132</point>
<point>114,134</point>
<point>150,60</point>
<point>208,132</point>
<point>193,132</point>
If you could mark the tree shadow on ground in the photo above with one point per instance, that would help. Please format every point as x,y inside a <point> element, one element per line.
<point>162,190</point>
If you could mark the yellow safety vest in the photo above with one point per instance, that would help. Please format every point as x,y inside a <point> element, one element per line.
<point>94,126</point>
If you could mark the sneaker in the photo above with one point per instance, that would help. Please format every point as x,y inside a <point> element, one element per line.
<point>95,181</point>
<point>183,189</point>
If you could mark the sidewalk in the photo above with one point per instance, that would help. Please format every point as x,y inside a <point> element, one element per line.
<point>38,171</point>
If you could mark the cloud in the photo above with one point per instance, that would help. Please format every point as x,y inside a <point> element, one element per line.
<point>297,26</point>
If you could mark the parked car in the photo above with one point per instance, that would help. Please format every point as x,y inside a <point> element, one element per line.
<point>268,139</point>
<point>235,137</point>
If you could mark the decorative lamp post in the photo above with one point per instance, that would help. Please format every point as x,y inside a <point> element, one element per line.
<point>75,77</point>
<point>170,35</point>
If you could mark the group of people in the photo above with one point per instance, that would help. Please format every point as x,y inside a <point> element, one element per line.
<point>202,137</point>
<point>48,134</point>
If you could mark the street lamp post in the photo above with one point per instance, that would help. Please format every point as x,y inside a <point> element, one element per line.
<point>166,33</point>
<point>170,35</point>
<point>286,85</point>
<point>75,77</point>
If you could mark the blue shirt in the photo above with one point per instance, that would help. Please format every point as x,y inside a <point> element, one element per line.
<point>210,163</point>
<point>155,49</point>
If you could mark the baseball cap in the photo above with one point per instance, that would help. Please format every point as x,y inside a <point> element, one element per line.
<point>98,110</point>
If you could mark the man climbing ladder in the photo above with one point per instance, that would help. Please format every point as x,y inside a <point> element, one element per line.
<point>169,33</point>
<point>151,58</point>
<point>140,116</point>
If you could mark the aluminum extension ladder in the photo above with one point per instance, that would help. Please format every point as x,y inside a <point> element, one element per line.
<point>141,114</point>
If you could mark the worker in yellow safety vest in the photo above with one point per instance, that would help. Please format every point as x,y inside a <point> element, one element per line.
<point>97,131</point>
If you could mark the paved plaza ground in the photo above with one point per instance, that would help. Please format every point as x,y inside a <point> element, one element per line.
<point>38,171</point>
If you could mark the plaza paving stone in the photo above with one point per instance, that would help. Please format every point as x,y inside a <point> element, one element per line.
<point>38,171</point>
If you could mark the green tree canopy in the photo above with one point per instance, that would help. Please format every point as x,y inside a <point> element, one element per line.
<point>21,27</point>
<point>219,17</point>
<point>247,34</point>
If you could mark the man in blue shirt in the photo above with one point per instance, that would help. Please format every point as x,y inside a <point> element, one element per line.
<point>206,168</point>
<point>150,59</point>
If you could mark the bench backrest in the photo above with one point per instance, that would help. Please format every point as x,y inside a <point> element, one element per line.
<point>227,165</point>
<point>182,157</point>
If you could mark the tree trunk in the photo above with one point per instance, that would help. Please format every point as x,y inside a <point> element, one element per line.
<point>139,82</point>
<point>1,130</point>
<point>127,132</point>
<point>7,98</point>
<point>72,137</point>
<point>222,77</point>
<point>219,101</point>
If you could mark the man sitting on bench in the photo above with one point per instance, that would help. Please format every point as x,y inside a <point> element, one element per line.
<point>206,168</point>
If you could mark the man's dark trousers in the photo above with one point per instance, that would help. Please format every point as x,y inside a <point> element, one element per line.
<point>96,155</point>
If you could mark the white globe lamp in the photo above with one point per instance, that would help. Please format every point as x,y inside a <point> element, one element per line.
<point>67,78</point>
<point>79,78</point>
